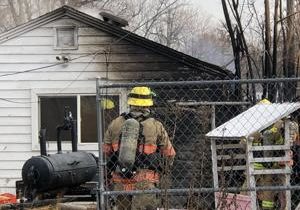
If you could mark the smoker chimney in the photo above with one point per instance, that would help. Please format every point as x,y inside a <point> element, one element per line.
<point>114,20</point>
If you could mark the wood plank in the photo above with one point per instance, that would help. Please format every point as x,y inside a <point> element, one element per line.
<point>11,147</point>
<point>15,121</point>
<point>231,157</point>
<point>15,138</point>
<point>36,84</point>
<point>271,147</point>
<point>14,129</point>
<point>49,31</point>
<point>83,31</point>
<point>83,58</point>
<point>15,112</point>
<point>14,103</point>
<point>73,77</point>
<point>49,40</point>
<point>8,182</point>
<point>66,21</point>
<point>11,190</point>
<point>77,206</point>
<point>83,40</point>
<point>272,171</point>
<point>11,173</point>
<point>14,94</point>
<point>31,41</point>
<point>230,146</point>
<point>11,165</point>
<point>17,156</point>
<point>232,168</point>
<point>39,32</point>
<point>78,80</point>
<point>46,50</point>
<point>269,159</point>
<point>57,76</point>
<point>98,67</point>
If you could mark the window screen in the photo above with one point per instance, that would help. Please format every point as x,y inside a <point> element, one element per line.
<point>89,116</point>
<point>52,110</point>
<point>66,37</point>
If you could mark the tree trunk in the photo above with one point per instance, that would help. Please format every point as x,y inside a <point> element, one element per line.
<point>245,47</point>
<point>290,56</point>
<point>267,54</point>
<point>233,42</point>
<point>274,61</point>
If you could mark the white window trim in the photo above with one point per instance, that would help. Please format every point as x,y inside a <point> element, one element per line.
<point>75,47</point>
<point>66,146</point>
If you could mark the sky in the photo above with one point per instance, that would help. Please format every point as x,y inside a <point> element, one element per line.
<point>215,10</point>
<point>211,7</point>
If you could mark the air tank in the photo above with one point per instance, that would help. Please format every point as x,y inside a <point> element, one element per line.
<point>129,142</point>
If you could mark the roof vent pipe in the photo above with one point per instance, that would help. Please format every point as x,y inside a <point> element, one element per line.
<point>113,20</point>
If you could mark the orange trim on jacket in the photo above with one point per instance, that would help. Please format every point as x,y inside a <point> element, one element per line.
<point>147,148</point>
<point>140,176</point>
<point>109,148</point>
<point>169,151</point>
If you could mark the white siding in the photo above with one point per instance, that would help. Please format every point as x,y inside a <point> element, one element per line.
<point>31,50</point>
<point>18,91</point>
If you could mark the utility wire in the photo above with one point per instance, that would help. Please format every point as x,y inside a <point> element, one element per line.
<point>81,72</point>
<point>90,54</point>
<point>96,52</point>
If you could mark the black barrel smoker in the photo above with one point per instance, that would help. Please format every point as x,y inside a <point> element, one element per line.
<point>50,175</point>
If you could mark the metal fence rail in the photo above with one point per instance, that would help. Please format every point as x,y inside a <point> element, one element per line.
<point>213,172</point>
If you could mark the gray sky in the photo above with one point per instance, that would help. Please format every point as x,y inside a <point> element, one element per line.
<point>211,7</point>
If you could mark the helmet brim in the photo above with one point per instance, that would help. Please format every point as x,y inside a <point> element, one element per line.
<point>140,102</point>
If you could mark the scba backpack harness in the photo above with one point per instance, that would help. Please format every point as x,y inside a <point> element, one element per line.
<point>130,156</point>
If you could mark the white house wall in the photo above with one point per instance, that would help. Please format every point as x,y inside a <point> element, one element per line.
<point>34,49</point>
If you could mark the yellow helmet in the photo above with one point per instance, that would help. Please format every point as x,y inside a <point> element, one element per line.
<point>140,96</point>
<point>107,104</point>
<point>264,101</point>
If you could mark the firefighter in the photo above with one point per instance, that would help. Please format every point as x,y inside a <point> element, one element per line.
<point>274,135</point>
<point>271,136</point>
<point>139,150</point>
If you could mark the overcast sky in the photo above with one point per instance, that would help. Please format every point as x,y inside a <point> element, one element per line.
<point>214,7</point>
<point>211,7</point>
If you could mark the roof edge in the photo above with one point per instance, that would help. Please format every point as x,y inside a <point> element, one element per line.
<point>65,10</point>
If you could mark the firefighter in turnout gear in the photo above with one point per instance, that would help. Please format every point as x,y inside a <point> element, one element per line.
<point>274,135</point>
<point>271,136</point>
<point>138,149</point>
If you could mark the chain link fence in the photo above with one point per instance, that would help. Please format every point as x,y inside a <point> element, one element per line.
<point>233,151</point>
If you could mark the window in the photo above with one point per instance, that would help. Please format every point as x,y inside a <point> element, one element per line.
<point>52,111</point>
<point>66,37</point>
<point>89,116</point>
<point>52,115</point>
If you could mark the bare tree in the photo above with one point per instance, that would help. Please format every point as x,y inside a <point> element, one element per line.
<point>239,40</point>
<point>283,43</point>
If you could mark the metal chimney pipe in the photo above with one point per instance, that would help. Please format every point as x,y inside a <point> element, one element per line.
<point>42,137</point>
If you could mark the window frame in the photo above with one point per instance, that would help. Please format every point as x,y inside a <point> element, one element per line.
<point>66,146</point>
<point>56,47</point>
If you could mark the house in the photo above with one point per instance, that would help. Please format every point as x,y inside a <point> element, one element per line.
<point>53,61</point>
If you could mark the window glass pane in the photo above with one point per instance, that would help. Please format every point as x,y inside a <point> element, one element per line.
<point>89,116</point>
<point>65,37</point>
<point>52,111</point>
